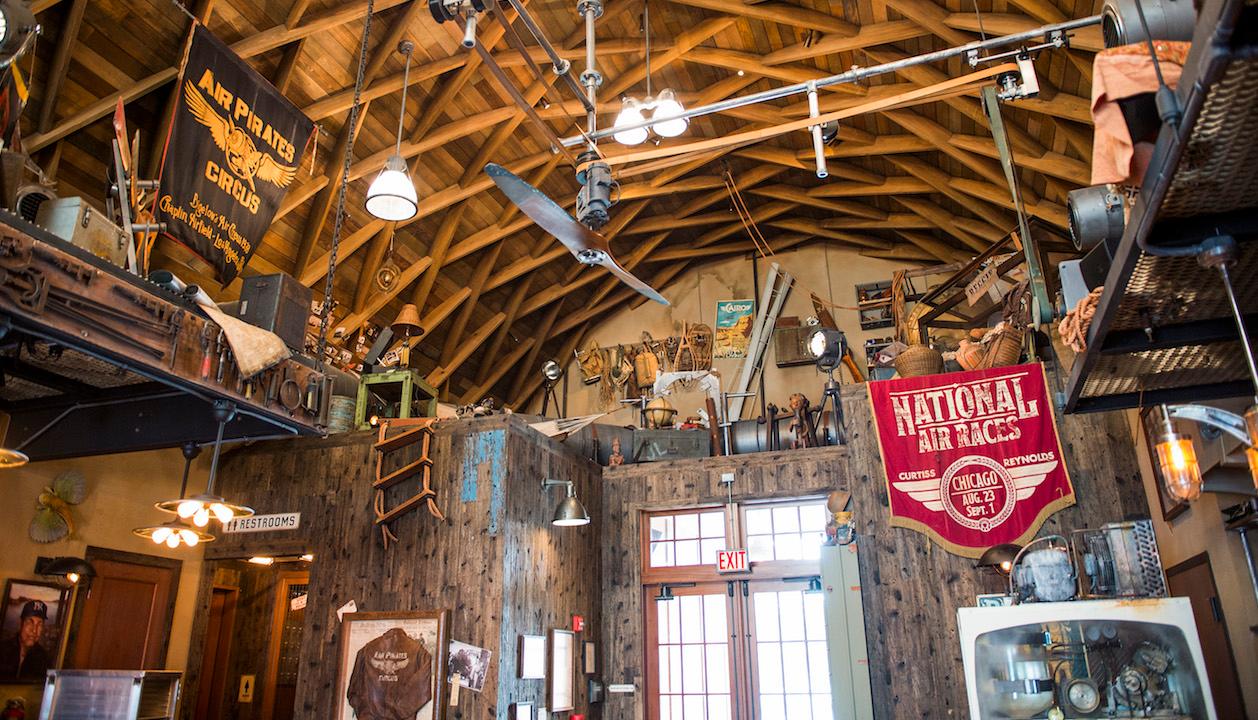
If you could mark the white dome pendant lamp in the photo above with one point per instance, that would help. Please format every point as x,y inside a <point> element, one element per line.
<point>392,196</point>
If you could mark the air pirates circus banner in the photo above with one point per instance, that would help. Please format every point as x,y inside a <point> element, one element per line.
<point>234,148</point>
<point>972,458</point>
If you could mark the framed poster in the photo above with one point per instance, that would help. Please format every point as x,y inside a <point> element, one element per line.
<point>32,618</point>
<point>1151,427</point>
<point>733,328</point>
<point>390,664</point>
<point>532,657</point>
<point>562,669</point>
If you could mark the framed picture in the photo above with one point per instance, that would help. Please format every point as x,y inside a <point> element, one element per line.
<point>471,663</point>
<point>589,658</point>
<point>532,657</point>
<point>522,711</point>
<point>563,653</point>
<point>1151,425</point>
<point>995,600</point>
<point>390,662</point>
<point>543,714</point>
<point>32,618</point>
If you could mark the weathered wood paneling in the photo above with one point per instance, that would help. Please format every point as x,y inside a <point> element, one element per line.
<point>911,589</point>
<point>495,561</point>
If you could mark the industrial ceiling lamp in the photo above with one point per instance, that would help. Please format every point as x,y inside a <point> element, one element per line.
<point>570,513</point>
<point>630,114</point>
<point>392,196</point>
<point>630,125</point>
<point>177,532</point>
<point>200,508</point>
<point>1178,461</point>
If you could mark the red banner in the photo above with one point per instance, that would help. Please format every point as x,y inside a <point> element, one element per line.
<point>972,458</point>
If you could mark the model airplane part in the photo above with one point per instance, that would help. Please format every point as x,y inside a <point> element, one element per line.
<point>588,246</point>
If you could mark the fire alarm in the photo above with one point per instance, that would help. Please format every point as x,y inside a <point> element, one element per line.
<point>578,623</point>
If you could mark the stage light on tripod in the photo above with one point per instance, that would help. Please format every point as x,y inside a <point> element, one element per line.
<point>826,345</point>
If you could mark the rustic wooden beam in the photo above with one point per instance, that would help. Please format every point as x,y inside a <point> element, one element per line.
<point>67,37</point>
<point>438,376</point>
<point>778,243</point>
<point>529,366</point>
<point>1043,209</point>
<point>935,247</point>
<point>941,137</point>
<point>908,220</point>
<point>288,64</point>
<point>938,179</point>
<point>778,12</point>
<point>941,219</point>
<point>752,63</point>
<point>569,346</point>
<point>933,17</point>
<point>499,367</point>
<point>371,265</point>
<point>1074,172</point>
<point>296,12</point>
<point>894,185</point>
<point>796,194</point>
<point>997,24</point>
<point>203,10</point>
<point>809,226</point>
<point>322,205</point>
<point>378,301</point>
<point>682,43</point>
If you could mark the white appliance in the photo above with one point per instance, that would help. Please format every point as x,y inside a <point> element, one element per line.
<point>1085,659</point>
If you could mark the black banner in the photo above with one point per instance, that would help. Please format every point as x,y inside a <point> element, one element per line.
<point>235,147</point>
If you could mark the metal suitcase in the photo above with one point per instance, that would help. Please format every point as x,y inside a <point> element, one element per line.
<point>75,221</point>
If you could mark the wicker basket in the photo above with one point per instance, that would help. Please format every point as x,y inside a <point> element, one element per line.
<point>919,360</point>
<point>1005,348</point>
<point>971,354</point>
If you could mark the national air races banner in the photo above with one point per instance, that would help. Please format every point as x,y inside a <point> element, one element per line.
<point>972,458</point>
<point>235,147</point>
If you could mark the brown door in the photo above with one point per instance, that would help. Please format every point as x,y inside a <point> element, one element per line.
<point>1194,580</point>
<point>279,690</point>
<point>218,638</point>
<point>124,623</point>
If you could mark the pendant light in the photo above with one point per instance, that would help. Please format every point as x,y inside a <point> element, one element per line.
<point>200,508</point>
<point>1178,461</point>
<point>392,194</point>
<point>177,532</point>
<point>664,107</point>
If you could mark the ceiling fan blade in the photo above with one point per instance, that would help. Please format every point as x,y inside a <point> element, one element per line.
<point>631,280</point>
<point>545,212</point>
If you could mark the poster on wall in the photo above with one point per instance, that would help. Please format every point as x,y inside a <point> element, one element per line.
<point>972,458</point>
<point>390,665</point>
<point>235,146</point>
<point>31,620</point>
<point>733,328</point>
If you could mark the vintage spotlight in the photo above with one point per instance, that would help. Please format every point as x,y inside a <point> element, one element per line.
<point>1096,215</point>
<point>552,371</point>
<point>827,345</point>
<point>1121,23</point>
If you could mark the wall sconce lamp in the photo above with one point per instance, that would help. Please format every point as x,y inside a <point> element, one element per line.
<point>1178,460</point>
<point>570,512</point>
<point>79,573</point>
<point>999,558</point>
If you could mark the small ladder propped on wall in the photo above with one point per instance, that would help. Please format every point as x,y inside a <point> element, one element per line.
<point>421,431</point>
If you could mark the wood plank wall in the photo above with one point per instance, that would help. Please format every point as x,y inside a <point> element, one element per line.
<point>911,589</point>
<point>495,561</point>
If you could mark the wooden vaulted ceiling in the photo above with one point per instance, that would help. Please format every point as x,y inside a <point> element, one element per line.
<point>496,294</point>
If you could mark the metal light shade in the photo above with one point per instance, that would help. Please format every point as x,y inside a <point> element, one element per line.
<point>200,508</point>
<point>72,568</point>
<point>406,325</point>
<point>630,114</point>
<point>999,558</point>
<point>10,458</point>
<point>173,534</point>
<point>666,109</point>
<point>570,513</point>
<point>392,194</point>
<point>551,370</point>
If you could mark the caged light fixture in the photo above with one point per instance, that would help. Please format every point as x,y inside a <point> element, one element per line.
<point>392,196</point>
<point>631,126</point>
<point>1178,460</point>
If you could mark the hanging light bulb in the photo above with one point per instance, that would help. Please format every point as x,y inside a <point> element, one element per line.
<point>1178,461</point>
<point>160,534</point>
<point>667,108</point>
<point>223,512</point>
<point>188,508</point>
<point>201,517</point>
<point>392,194</point>
<point>189,538</point>
<point>630,114</point>
<point>172,541</point>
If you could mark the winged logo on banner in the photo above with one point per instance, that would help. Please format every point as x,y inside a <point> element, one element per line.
<point>244,159</point>
<point>389,666</point>
<point>1025,480</point>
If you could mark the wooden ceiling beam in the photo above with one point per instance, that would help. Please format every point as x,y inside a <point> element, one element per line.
<point>941,219</point>
<point>940,137</point>
<point>288,65</point>
<point>932,16</point>
<point>997,24</point>
<point>752,63</point>
<point>938,179</point>
<point>809,226</point>
<point>512,309</point>
<point>795,194</point>
<point>682,43</point>
<point>569,346</point>
<point>377,302</point>
<point>67,38</point>
<point>867,36</point>
<point>1062,105</point>
<point>901,253</point>
<point>498,368</point>
<point>1044,210</point>
<point>893,185</point>
<point>528,368</point>
<point>790,158</point>
<point>740,247</point>
<point>893,221</point>
<point>780,13</point>
<point>256,44</point>
<point>1047,13</point>
<point>1053,164</point>
<point>935,247</point>
<point>371,265</point>
<point>440,375</point>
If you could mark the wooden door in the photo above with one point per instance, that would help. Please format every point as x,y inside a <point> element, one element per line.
<point>124,623</point>
<point>218,637</point>
<point>1194,580</point>
<point>279,689</point>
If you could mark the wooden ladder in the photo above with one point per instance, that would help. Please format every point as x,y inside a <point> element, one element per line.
<point>422,433</point>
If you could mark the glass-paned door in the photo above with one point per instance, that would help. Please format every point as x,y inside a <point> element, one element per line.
<point>693,662</point>
<point>790,663</point>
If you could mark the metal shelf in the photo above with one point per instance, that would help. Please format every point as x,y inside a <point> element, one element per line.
<point>1163,330</point>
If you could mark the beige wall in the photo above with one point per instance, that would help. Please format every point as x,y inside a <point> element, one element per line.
<point>1200,529</point>
<point>829,272</point>
<point>121,493</point>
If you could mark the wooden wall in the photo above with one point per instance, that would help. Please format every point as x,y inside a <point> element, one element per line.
<point>495,562</point>
<point>911,589</point>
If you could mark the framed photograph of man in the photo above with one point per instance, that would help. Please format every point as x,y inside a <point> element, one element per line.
<point>391,665</point>
<point>32,617</point>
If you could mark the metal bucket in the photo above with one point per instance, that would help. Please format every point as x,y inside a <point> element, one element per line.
<point>341,414</point>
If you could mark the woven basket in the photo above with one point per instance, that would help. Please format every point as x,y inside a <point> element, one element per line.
<point>1005,348</point>
<point>970,355</point>
<point>919,360</point>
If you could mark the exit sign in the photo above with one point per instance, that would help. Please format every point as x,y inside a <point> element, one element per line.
<point>731,561</point>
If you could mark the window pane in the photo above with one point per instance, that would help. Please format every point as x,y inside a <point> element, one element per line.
<point>714,619</point>
<point>821,709</point>
<point>815,616</point>
<point>674,669</point>
<point>677,712</point>
<point>686,526</point>
<point>691,618</point>
<point>812,518</point>
<point>662,528</point>
<point>771,707</point>
<point>785,547</point>
<point>693,671</point>
<point>769,667</point>
<point>760,548</point>
<point>718,669</point>
<point>786,519</point>
<point>667,620</point>
<point>792,615</point>
<point>665,706</point>
<point>798,706</point>
<point>718,707</point>
<point>766,616</point>
<point>694,707</point>
<point>687,552</point>
<point>795,657</point>
<point>712,524</point>
<point>666,685</point>
<point>661,554</point>
<point>759,521</point>
<point>674,620</point>
<point>819,667</point>
<point>710,549</point>
<point>810,546</point>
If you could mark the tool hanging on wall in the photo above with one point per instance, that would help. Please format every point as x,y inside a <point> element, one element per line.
<point>419,431</point>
